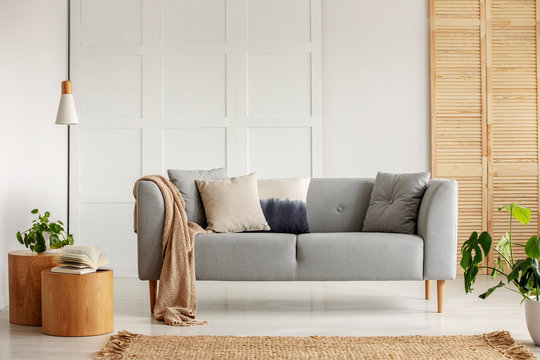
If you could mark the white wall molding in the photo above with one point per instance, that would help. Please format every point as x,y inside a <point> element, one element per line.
<point>188,84</point>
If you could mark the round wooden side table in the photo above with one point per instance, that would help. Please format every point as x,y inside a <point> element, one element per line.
<point>25,285</point>
<point>77,305</point>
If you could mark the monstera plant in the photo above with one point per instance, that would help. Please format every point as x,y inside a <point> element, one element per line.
<point>42,228</point>
<point>519,275</point>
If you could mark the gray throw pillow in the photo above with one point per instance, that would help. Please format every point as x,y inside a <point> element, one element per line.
<point>395,201</point>
<point>184,180</point>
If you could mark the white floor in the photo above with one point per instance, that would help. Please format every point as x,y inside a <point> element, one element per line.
<point>291,308</point>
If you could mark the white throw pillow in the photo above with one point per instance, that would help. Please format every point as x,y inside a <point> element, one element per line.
<point>232,205</point>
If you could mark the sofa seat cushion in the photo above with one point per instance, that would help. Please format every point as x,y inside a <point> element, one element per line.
<point>245,256</point>
<point>360,256</point>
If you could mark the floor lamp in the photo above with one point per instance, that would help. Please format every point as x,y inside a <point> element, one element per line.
<point>67,113</point>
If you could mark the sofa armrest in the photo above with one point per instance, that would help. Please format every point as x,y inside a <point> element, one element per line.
<point>150,217</point>
<point>437,225</point>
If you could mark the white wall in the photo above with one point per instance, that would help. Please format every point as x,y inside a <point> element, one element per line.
<point>32,148</point>
<point>375,97</point>
<point>375,87</point>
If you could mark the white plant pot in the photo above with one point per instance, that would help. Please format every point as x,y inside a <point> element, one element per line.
<point>532,314</point>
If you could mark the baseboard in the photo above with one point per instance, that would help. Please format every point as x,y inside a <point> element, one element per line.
<point>125,271</point>
<point>4,301</point>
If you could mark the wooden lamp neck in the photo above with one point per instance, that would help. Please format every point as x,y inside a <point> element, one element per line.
<point>67,87</point>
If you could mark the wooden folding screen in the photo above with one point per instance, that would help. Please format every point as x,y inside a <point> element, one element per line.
<point>484,109</point>
<point>457,95</point>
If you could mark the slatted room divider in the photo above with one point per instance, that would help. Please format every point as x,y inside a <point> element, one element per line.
<point>484,109</point>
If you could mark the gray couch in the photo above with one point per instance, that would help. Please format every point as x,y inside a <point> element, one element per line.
<point>336,248</point>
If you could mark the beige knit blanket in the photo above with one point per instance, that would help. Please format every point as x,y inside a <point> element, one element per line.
<point>176,302</point>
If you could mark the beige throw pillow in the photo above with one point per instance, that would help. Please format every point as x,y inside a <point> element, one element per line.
<point>232,205</point>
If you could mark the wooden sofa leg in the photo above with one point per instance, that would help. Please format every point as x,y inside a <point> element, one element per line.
<point>440,295</point>
<point>152,284</point>
<point>428,289</point>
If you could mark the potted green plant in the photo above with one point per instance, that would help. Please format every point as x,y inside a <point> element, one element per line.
<point>25,268</point>
<point>44,231</point>
<point>518,275</point>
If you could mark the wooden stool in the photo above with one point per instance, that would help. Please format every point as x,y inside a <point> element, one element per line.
<point>77,305</point>
<point>25,285</point>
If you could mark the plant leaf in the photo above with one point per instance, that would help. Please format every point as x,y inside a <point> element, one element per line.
<point>522,214</point>
<point>471,250</point>
<point>39,238</point>
<point>35,211</point>
<point>504,246</point>
<point>19,237</point>
<point>534,282</point>
<point>54,240</point>
<point>524,280</point>
<point>494,274</point>
<point>485,241</point>
<point>55,228</point>
<point>466,251</point>
<point>69,239</point>
<point>520,266</point>
<point>470,277</point>
<point>532,248</point>
<point>39,248</point>
<point>491,290</point>
<point>466,260</point>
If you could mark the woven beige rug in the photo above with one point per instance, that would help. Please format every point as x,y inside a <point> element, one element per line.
<point>493,346</point>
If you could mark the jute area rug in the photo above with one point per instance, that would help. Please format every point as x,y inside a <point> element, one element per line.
<point>492,346</point>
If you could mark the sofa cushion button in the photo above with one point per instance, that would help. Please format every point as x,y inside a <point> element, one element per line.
<point>339,209</point>
<point>390,201</point>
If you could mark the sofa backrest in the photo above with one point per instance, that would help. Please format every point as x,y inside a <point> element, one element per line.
<point>338,205</point>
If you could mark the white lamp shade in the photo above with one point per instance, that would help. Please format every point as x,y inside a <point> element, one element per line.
<point>67,114</point>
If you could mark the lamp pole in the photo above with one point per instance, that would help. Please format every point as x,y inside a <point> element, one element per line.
<point>68,173</point>
<point>67,113</point>
<point>68,63</point>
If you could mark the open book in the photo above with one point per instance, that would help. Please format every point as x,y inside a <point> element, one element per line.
<point>80,259</point>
